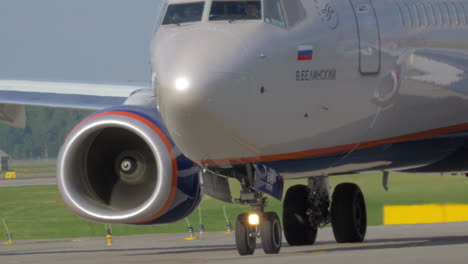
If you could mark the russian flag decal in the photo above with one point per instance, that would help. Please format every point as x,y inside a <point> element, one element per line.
<point>305,52</point>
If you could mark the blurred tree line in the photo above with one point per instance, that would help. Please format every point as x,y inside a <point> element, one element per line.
<point>46,129</point>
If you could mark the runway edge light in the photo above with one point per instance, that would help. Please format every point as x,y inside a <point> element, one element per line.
<point>109,236</point>
<point>10,240</point>
<point>201,226</point>
<point>228,228</point>
<point>191,234</point>
<point>190,230</point>
<point>228,223</point>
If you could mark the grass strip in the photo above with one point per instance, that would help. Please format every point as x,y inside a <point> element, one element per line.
<point>37,212</point>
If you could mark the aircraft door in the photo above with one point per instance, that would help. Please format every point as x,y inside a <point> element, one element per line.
<point>369,36</point>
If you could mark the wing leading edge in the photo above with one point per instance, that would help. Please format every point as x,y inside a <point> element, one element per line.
<point>89,96</point>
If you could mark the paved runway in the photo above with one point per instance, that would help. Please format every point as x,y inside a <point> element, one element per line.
<point>29,180</point>
<point>434,243</point>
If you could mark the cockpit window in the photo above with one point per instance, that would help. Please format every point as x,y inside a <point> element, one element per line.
<point>284,12</point>
<point>235,10</point>
<point>274,13</point>
<point>184,13</point>
<point>295,11</point>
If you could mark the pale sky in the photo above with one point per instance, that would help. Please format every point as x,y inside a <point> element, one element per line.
<point>77,40</point>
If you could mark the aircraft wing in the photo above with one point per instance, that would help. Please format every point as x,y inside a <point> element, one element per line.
<point>66,94</point>
<point>15,94</point>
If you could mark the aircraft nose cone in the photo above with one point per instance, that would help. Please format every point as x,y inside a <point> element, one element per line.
<point>197,71</point>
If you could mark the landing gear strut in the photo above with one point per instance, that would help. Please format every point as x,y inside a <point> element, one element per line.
<point>257,224</point>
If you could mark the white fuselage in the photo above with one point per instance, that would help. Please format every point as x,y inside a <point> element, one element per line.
<point>381,73</point>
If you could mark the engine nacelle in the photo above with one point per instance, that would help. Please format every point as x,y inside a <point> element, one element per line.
<point>119,166</point>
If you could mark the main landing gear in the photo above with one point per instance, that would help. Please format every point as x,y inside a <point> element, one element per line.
<point>348,214</point>
<point>306,208</point>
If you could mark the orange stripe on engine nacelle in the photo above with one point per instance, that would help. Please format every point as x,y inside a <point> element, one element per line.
<point>169,148</point>
<point>338,149</point>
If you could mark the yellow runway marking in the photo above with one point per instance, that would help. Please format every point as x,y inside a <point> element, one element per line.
<point>425,214</point>
<point>319,252</point>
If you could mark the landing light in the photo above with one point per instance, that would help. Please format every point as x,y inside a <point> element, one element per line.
<point>181,84</point>
<point>254,219</point>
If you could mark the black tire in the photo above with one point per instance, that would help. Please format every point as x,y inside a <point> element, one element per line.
<point>244,242</point>
<point>271,233</point>
<point>348,214</point>
<point>298,230</point>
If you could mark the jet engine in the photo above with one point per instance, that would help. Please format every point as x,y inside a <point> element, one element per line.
<point>119,166</point>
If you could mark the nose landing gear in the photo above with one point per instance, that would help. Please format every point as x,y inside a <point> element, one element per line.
<point>269,230</point>
<point>257,224</point>
<point>246,235</point>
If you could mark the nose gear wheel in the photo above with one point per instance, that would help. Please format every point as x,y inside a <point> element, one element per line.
<point>245,241</point>
<point>271,233</point>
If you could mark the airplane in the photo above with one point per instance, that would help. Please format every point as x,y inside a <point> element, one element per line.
<point>264,91</point>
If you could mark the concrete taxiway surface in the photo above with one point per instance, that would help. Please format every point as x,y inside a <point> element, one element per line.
<point>433,243</point>
<point>30,180</point>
